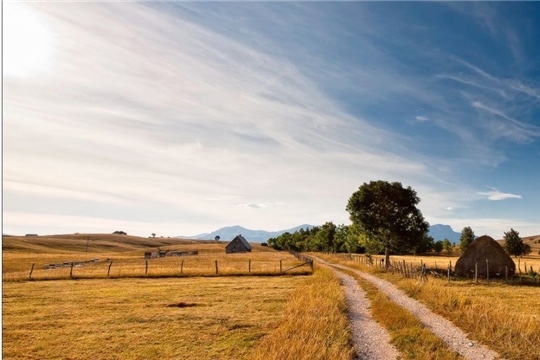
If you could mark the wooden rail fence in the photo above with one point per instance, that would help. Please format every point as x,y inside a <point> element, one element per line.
<point>420,271</point>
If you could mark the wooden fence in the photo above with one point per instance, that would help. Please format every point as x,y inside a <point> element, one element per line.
<point>120,268</point>
<point>420,271</point>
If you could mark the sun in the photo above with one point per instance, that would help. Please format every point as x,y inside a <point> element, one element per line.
<point>27,41</point>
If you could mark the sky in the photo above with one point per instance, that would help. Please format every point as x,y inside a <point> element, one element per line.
<point>178,118</point>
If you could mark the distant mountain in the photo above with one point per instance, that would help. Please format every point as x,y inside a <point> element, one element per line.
<point>438,232</point>
<point>228,233</point>
<point>441,232</point>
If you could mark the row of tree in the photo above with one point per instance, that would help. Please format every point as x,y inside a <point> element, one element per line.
<point>384,219</point>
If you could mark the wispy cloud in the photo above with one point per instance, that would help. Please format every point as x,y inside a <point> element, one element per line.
<point>183,111</point>
<point>160,119</point>
<point>497,195</point>
<point>252,205</point>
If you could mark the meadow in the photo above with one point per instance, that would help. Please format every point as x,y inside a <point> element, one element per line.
<point>505,317</point>
<point>179,307</point>
<point>121,256</point>
<point>162,314</point>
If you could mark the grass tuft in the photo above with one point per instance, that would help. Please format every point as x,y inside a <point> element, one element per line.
<point>315,325</point>
<point>504,317</point>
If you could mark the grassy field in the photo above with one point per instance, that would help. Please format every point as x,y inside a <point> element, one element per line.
<point>127,256</point>
<point>188,318</point>
<point>504,317</point>
<point>315,326</point>
<point>131,316</point>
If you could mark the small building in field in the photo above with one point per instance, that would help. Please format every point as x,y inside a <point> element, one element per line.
<point>238,245</point>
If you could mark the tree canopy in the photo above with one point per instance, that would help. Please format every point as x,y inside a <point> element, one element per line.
<point>388,214</point>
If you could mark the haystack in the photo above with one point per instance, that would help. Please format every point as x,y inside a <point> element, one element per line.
<point>482,249</point>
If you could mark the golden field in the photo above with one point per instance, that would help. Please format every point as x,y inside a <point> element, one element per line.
<point>505,317</point>
<point>127,256</point>
<point>136,316</point>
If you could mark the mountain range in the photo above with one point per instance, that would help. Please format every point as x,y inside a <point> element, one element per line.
<point>438,232</point>
<point>228,233</point>
<point>441,232</point>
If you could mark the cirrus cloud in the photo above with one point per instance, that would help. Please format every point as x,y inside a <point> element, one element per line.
<point>496,195</point>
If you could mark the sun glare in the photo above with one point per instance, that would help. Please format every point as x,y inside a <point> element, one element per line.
<point>27,41</point>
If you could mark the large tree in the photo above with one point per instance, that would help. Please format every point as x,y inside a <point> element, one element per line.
<point>388,214</point>
<point>466,239</point>
<point>514,244</point>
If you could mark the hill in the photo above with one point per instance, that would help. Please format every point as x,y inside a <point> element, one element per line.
<point>105,243</point>
<point>228,233</point>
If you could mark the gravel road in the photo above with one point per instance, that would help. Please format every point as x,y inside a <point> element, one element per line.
<point>371,341</point>
<point>454,337</point>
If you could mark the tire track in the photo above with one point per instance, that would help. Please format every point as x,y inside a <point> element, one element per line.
<point>452,336</point>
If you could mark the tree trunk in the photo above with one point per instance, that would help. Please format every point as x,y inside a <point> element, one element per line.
<point>386,258</point>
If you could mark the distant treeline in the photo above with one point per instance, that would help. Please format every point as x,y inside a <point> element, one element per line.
<point>342,238</point>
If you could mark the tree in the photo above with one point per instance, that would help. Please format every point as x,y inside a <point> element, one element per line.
<point>354,240</point>
<point>388,214</point>
<point>438,246</point>
<point>340,238</point>
<point>514,245</point>
<point>423,246</point>
<point>466,239</point>
<point>325,237</point>
<point>447,246</point>
<point>217,238</point>
<point>153,235</point>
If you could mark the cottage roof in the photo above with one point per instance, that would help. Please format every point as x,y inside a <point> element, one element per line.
<point>242,240</point>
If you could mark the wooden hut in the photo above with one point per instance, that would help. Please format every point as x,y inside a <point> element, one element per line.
<point>475,256</point>
<point>238,245</point>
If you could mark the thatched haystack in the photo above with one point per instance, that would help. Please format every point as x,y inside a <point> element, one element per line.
<point>481,249</point>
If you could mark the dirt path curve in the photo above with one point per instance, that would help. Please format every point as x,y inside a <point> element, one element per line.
<point>454,337</point>
<point>371,341</point>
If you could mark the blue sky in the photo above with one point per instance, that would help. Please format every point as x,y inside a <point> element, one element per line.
<point>183,117</point>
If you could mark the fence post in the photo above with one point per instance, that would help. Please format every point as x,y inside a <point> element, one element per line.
<point>182,267</point>
<point>476,272</point>
<point>109,270</point>
<point>487,270</point>
<point>449,265</point>
<point>146,268</point>
<point>280,266</point>
<point>71,271</point>
<point>249,266</point>
<point>506,274</point>
<point>216,268</point>
<point>311,264</point>
<point>31,271</point>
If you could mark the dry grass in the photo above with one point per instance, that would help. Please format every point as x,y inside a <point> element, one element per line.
<point>315,324</point>
<point>188,318</point>
<point>164,314</point>
<point>16,267</point>
<point>127,255</point>
<point>408,334</point>
<point>504,317</point>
